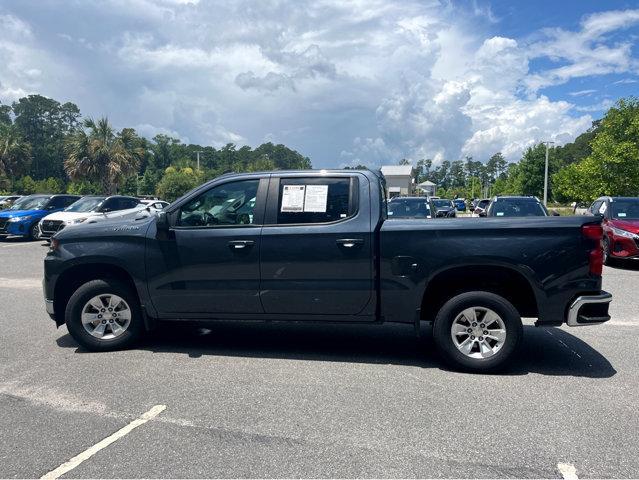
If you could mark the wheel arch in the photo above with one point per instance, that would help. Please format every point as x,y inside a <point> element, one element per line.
<point>75,276</point>
<point>501,280</point>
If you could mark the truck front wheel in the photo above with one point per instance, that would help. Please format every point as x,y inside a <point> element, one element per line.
<point>477,331</point>
<point>104,315</point>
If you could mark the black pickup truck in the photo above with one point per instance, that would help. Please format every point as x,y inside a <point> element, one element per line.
<point>316,246</point>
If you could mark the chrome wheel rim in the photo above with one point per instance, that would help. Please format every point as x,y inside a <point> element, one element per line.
<point>106,316</point>
<point>478,332</point>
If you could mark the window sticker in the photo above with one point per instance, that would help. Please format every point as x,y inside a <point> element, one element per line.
<point>316,198</point>
<point>500,214</point>
<point>621,214</point>
<point>293,198</point>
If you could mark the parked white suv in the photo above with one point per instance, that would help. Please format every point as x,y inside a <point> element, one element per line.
<point>89,209</point>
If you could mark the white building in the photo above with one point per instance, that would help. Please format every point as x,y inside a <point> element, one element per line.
<point>399,179</point>
<point>428,188</point>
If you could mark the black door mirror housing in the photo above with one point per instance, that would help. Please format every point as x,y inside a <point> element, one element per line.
<point>162,223</point>
<point>554,213</point>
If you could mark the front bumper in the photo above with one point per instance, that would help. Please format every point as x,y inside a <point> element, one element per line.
<point>589,310</point>
<point>624,247</point>
<point>15,228</point>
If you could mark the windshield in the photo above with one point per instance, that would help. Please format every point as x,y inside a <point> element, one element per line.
<point>86,204</point>
<point>441,203</point>
<point>413,208</point>
<point>514,207</point>
<point>627,209</point>
<point>30,203</point>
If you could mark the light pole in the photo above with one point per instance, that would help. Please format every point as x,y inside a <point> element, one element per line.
<point>198,159</point>
<point>546,175</point>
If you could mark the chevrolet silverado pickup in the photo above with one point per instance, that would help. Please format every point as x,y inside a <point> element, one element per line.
<point>317,246</point>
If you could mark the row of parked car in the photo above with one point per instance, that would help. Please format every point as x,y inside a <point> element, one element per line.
<point>433,207</point>
<point>42,215</point>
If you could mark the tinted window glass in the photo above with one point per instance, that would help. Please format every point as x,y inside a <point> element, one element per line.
<point>408,208</point>
<point>442,203</point>
<point>69,201</point>
<point>110,205</point>
<point>86,204</point>
<point>58,202</point>
<point>514,207</point>
<point>30,203</point>
<point>126,203</point>
<point>228,204</point>
<point>314,200</point>
<point>594,208</point>
<point>625,209</point>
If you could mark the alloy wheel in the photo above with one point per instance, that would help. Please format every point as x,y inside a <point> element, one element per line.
<point>478,332</point>
<point>106,316</point>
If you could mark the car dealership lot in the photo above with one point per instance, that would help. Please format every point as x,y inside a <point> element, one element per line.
<point>296,400</point>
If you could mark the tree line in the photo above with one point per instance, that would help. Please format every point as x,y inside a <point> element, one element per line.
<point>47,147</point>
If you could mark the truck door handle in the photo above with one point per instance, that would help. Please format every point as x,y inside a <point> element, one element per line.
<point>240,244</point>
<point>350,242</point>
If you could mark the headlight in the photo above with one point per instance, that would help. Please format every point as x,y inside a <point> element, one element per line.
<point>622,233</point>
<point>20,219</point>
<point>75,221</point>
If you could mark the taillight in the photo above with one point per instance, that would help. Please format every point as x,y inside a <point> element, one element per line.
<point>595,233</point>
<point>53,246</point>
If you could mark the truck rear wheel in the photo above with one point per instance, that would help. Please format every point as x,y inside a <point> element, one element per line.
<point>477,331</point>
<point>104,315</point>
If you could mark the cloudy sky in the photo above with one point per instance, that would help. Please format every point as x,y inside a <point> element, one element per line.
<point>365,81</point>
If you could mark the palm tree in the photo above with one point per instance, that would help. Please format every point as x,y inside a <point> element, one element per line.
<point>15,153</point>
<point>96,153</point>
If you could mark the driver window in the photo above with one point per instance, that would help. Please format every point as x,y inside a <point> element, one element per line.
<point>228,204</point>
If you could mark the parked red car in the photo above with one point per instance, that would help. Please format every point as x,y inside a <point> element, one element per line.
<point>620,224</point>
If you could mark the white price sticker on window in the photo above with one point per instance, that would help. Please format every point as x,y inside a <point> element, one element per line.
<point>293,198</point>
<point>316,198</point>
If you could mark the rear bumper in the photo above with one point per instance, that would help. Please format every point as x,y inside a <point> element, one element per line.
<point>49,306</point>
<point>589,310</point>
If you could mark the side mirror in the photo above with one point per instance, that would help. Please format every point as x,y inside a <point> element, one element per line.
<point>162,222</point>
<point>482,214</point>
<point>554,213</point>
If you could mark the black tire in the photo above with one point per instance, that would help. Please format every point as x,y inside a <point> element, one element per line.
<point>453,308</point>
<point>85,293</point>
<point>34,232</point>
<point>606,252</point>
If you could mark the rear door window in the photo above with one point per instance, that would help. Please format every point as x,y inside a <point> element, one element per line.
<point>70,201</point>
<point>126,203</point>
<point>315,200</point>
<point>58,202</point>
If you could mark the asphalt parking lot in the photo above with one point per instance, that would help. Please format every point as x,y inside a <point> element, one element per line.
<point>269,400</point>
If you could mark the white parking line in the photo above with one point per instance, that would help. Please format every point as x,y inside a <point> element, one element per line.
<point>88,453</point>
<point>20,283</point>
<point>567,471</point>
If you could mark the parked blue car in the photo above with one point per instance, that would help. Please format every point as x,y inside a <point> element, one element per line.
<point>23,216</point>
<point>460,204</point>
